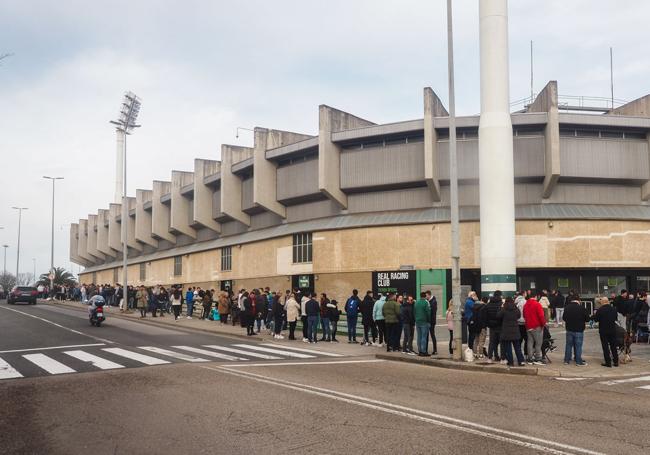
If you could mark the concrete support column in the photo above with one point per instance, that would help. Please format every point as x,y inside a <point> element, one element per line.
<point>231,204</point>
<point>433,108</point>
<point>329,154</point>
<point>114,228</point>
<point>74,246</point>
<point>131,242</point>
<point>181,210</point>
<point>102,234</point>
<point>160,213</point>
<point>645,189</point>
<point>82,246</point>
<point>143,218</point>
<point>119,166</point>
<point>203,194</point>
<point>496,160</point>
<point>547,101</point>
<point>92,238</point>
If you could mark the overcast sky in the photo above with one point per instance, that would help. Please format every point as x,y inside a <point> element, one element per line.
<point>203,68</point>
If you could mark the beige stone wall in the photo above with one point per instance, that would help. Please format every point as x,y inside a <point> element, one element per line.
<point>339,286</point>
<point>344,259</point>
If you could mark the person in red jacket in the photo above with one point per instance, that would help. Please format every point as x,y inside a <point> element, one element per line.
<point>535,322</point>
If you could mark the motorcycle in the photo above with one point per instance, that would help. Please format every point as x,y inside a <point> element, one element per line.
<point>97,313</point>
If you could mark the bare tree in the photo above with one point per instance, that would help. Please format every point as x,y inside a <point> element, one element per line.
<point>7,281</point>
<point>4,56</point>
<point>25,279</point>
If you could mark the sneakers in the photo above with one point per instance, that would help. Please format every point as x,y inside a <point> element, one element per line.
<point>504,362</point>
<point>538,362</point>
<point>189,317</point>
<point>306,340</point>
<point>410,353</point>
<point>583,364</point>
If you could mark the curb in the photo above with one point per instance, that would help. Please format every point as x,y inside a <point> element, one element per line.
<point>465,366</point>
<point>165,325</point>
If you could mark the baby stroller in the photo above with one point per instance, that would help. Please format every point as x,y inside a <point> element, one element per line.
<point>548,344</point>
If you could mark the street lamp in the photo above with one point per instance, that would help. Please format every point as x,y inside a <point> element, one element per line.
<point>125,124</point>
<point>54,179</point>
<point>20,216</point>
<point>5,260</point>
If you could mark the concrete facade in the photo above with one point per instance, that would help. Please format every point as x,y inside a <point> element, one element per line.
<point>143,232</point>
<point>93,241</point>
<point>114,227</point>
<point>161,213</point>
<point>181,217</point>
<point>131,241</point>
<point>102,234</point>
<point>203,195</point>
<point>231,183</point>
<point>433,108</point>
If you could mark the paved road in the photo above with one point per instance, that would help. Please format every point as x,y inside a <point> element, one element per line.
<point>289,405</point>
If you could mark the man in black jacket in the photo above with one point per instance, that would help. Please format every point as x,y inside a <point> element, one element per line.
<point>575,316</point>
<point>312,308</point>
<point>433,303</point>
<point>606,317</point>
<point>494,325</point>
<point>365,307</point>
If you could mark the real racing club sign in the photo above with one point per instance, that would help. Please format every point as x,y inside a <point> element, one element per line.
<point>397,281</point>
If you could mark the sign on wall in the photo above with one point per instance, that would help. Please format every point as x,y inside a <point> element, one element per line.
<point>398,281</point>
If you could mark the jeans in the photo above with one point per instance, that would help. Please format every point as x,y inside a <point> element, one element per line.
<point>535,338</point>
<point>524,337</point>
<point>423,337</point>
<point>352,328</point>
<point>493,348</point>
<point>277,324</point>
<point>434,341</point>
<point>334,325</point>
<point>451,342</point>
<point>381,330</point>
<point>312,331</point>
<point>369,329</point>
<point>325,324</point>
<point>393,334</point>
<point>507,345</point>
<point>408,337</point>
<point>608,343</point>
<point>258,323</point>
<point>190,308</point>
<point>303,319</point>
<point>558,315</point>
<point>573,343</point>
<point>470,335</point>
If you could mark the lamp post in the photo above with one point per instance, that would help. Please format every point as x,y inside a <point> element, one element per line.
<point>54,179</point>
<point>125,124</point>
<point>5,259</point>
<point>20,216</point>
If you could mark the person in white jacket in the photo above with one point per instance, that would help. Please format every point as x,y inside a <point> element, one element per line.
<point>293,311</point>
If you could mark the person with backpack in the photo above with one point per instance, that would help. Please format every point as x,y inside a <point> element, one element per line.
<point>391,312</point>
<point>176,303</point>
<point>352,312</point>
<point>378,317</point>
<point>494,326</point>
<point>366,307</point>
<point>422,315</point>
<point>333,314</point>
<point>477,327</point>
<point>189,301</point>
<point>468,312</point>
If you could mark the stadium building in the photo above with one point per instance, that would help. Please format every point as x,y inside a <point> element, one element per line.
<point>366,206</point>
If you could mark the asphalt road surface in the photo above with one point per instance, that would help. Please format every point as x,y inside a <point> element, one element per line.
<point>131,388</point>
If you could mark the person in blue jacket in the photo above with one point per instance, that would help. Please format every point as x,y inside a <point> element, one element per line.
<point>467,315</point>
<point>352,312</point>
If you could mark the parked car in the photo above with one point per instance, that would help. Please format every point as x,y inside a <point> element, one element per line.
<point>27,294</point>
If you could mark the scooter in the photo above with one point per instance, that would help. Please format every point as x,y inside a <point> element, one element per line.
<point>97,316</point>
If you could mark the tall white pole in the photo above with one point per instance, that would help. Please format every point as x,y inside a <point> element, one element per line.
<point>5,258</point>
<point>125,220</point>
<point>611,73</point>
<point>119,165</point>
<point>453,191</point>
<point>496,166</point>
<point>20,216</point>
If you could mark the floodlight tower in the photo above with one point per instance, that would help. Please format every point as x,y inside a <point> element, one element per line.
<point>125,124</point>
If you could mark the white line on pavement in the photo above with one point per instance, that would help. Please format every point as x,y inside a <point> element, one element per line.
<point>241,351</point>
<point>205,352</point>
<point>275,351</point>
<point>309,351</point>
<point>147,360</point>
<point>451,423</point>
<point>94,360</point>
<point>48,364</point>
<point>175,355</point>
<point>645,387</point>
<point>571,379</point>
<point>54,347</point>
<point>7,371</point>
<point>623,381</point>
<point>329,362</point>
<point>57,325</point>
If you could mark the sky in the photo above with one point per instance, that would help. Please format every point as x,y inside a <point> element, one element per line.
<point>204,68</point>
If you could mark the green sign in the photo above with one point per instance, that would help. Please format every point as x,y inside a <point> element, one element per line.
<point>612,281</point>
<point>562,282</point>
<point>303,281</point>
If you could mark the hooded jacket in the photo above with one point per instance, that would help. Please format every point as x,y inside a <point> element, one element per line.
<point>366,307</point>
<point>293,309</point>
<point>534,315</point>
<point>575,316</point>
<point>509,316</point>
<point>422,311</point>
<point>377,309</point>
<point>491,310</point>
<point>390,311</point>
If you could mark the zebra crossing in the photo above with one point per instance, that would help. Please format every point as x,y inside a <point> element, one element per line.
<point>98,357</point>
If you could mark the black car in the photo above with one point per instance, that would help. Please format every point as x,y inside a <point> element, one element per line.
<point>27,294</point>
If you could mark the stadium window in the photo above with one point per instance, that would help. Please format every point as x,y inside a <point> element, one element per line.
<point>302,248</point>
<point>226,258</point>
<point>178,265</point>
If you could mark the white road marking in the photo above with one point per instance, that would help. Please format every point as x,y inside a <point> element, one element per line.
<point>54,347</point>
<point>57,325</point>
<point>96,361</point>
<point>623,381</point>
<point>7,371</point>
<point>520,439</point>
<point>308,351</point>
<point>48,364</point>
<point>275,351</point>
<point>646,387</point>
<point>241,351</point>
<point>205,352</point>
<point>331,362</point>
<point>175,355</point>
<point>571,379</point>
<point>147,360</point>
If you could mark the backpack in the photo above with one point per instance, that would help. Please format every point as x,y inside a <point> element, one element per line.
<point>352,307</point>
